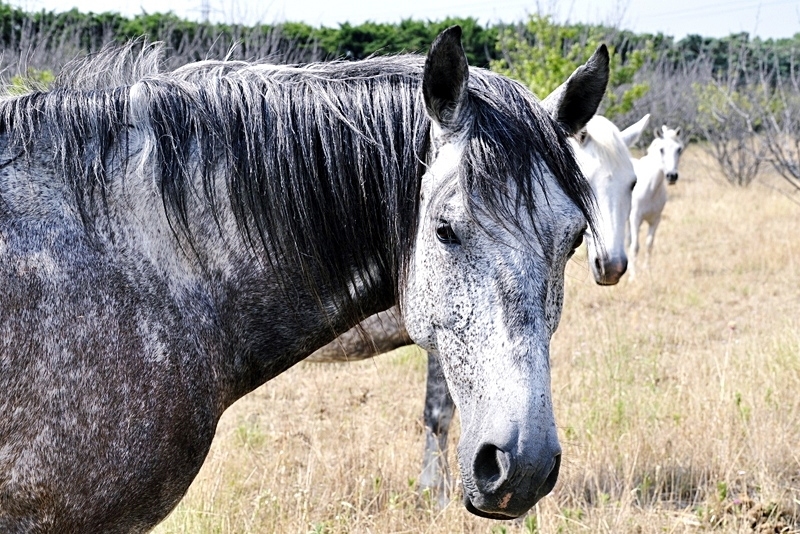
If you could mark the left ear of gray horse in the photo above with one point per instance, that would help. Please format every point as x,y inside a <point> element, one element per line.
<point>444,80</point>
<point>575,101</point>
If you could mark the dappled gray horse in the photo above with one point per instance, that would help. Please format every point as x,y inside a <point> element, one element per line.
<point>171,241</point>
<point>603,156</point>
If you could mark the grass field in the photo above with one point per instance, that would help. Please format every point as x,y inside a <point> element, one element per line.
<point>677,399</point>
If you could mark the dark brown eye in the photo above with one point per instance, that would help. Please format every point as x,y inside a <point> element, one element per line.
<point>578,242</point>
<point>445,233</point>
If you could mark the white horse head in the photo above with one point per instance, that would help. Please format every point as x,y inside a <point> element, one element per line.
<point>602,153</point>
<point>499,217</point>
<point>668,146</point>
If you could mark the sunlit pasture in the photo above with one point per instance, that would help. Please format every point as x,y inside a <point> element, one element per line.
<point>677,397</point>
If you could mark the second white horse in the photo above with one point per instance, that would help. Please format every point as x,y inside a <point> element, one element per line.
<point>654,171</point>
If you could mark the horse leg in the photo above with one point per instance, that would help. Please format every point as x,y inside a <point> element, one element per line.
<point>439,410</point>
<point>633,248</point>
<point>651,234</point>
<point>384,332</point>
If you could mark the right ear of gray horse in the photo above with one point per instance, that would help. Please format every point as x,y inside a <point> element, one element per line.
<point>575,101</point>
<point>445,78</point>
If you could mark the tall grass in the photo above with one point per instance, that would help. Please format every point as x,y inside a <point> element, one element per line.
<point>677,396</point>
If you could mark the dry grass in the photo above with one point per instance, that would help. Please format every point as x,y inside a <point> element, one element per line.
<point>678,399</point>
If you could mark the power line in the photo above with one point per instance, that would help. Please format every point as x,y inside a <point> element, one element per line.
<point>729,7</point>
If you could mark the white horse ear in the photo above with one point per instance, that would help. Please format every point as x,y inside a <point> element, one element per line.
<point>678,131</point>
<point>445,78</point>
<point>575,101</point>
<point>632,133</point>
<point>657,133</point>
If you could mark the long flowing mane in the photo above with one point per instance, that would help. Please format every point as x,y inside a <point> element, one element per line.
<point>321,163</point>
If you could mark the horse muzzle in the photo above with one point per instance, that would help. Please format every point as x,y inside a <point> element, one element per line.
<point>608,271</point>
<point>672,177</point>
<point>507,484</point>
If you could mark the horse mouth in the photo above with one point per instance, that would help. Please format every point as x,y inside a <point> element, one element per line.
<point>488,515</point>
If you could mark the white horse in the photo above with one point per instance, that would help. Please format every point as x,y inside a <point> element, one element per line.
<point>654,171</point>
<point>602,153</point>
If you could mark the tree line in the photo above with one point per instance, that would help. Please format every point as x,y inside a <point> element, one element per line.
<point>87,32</point>
<point>737,93</point>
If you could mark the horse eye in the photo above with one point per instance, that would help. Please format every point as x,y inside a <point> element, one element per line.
<point>578,242</point>
<point>680,149</point>
<point>445,233</point>
<point>662,151</point>
<point>633,185</point>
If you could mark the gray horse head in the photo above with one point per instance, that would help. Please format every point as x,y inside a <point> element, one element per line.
<point>485,282</point>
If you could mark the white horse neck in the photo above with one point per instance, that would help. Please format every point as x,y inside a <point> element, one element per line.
<point>649,170</point>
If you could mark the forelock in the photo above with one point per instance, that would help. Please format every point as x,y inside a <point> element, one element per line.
<point>511,148</point>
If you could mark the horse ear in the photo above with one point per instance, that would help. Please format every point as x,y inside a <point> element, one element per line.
<point>678,131</point>
<point>657,133</point>
<point>444,80</point>
<point>632,133</point>
<point>575,101</point>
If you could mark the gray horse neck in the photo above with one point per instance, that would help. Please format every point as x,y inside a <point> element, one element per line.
<point>205,282</point>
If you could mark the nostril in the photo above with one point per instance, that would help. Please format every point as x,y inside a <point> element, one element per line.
<point>598,265</point>
<point>550,482</point>
<point>492,467</point>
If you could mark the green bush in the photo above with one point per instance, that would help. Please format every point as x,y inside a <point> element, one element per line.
<point>542,54</point>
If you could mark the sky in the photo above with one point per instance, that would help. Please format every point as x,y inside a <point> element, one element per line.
<point>710,18</point>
